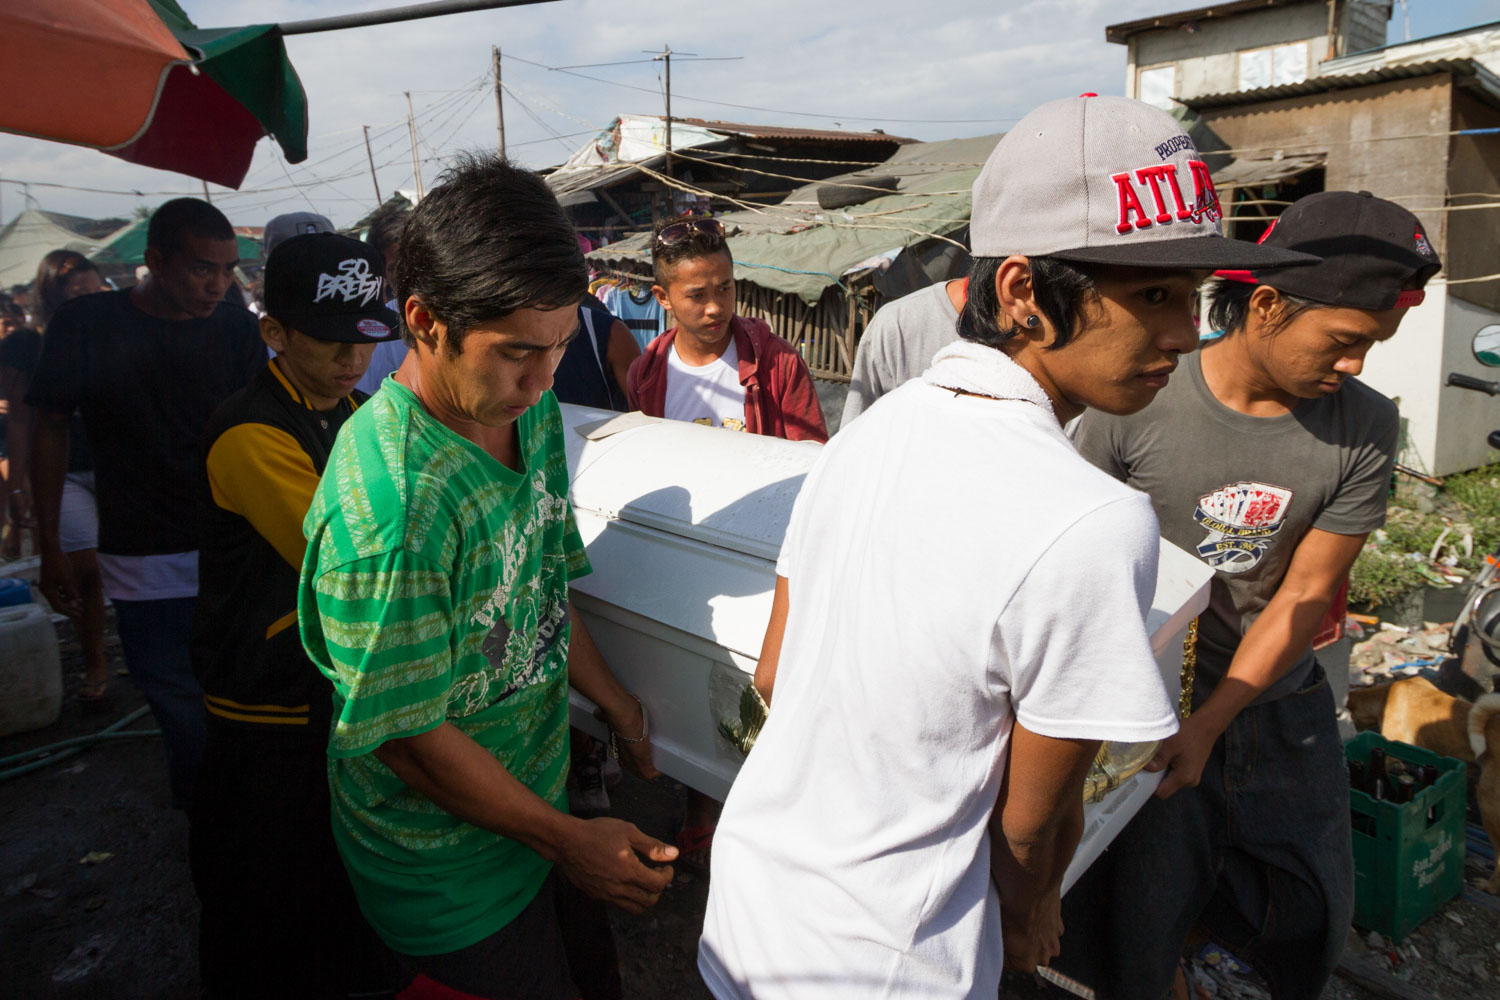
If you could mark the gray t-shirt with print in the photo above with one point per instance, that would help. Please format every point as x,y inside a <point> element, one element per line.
<point>899,345</point>
<point>1241,492</point>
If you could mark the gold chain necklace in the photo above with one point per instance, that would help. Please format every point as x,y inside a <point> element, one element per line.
<point>1189,669</point>
<point>1111,769</point>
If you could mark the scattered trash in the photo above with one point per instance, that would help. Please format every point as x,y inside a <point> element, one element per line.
<point>96,857</point>
<point>84,959</point>
<point>1389,627</point>
<point>1219,958</point>
<point>1215,974</point>
<point>1454,917</point>
<point>41,893</point>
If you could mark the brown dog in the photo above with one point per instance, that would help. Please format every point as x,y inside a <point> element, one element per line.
<point>1414,711</point>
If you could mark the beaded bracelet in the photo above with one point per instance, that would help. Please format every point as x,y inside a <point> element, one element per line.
<point>614,747</point>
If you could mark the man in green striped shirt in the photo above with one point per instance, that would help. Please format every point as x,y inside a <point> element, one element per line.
<point>434,596</point>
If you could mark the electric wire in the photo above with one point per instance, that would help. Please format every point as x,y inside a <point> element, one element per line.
<point>775,111</point>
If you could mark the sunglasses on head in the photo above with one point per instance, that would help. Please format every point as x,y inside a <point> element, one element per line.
<point>677,232</point>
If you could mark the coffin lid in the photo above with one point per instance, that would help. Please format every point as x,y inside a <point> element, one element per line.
<point>734,491</point>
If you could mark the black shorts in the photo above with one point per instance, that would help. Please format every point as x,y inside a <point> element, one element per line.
<point>278,917</point>
<point>559,947</point>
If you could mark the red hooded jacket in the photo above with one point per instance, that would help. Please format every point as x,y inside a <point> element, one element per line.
<point>779,397</point>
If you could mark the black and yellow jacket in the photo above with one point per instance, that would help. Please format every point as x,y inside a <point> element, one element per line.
<point>265,449</point>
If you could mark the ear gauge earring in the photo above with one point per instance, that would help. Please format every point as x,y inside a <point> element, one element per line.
<point>1033,321</point>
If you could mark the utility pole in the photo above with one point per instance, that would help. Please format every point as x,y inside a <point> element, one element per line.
<point>416,161</point>
<point>373,179</point>
<point>205,193</point>
<point>499,104</point>
<point>666,57</point>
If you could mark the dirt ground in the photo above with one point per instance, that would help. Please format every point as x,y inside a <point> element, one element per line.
<point>123,925</point>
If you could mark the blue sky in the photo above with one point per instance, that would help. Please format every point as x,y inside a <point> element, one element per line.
<point>930,71</point>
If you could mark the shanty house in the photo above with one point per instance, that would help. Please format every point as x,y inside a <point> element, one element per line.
<point>1299,96</point>
<point>623,179</point>
<point>817,264</point>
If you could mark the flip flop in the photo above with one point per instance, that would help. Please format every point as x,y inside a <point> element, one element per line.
<point>694,844</point>
<point>93,694</point>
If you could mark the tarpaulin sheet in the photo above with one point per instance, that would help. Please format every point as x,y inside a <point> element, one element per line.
<point>798,248</point>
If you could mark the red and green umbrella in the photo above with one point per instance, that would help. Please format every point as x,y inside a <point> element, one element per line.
<point>139,80</point>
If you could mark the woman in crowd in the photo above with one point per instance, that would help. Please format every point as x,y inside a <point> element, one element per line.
<point>63,275</point>
<point>12,318</point>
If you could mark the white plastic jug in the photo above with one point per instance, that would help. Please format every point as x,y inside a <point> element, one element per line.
<point>30,670</point>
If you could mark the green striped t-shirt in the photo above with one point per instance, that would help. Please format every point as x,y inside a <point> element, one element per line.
<point>435,589</point>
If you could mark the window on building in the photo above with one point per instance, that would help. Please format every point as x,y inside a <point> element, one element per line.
<point>1274,66</point>
<point>1158,85</point>
<point>1249,210</point>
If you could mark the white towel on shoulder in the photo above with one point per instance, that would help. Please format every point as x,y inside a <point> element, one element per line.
<point>984,371</point>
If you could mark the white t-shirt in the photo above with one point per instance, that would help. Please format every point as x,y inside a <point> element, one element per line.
<point>953,565</point>
<point>708,394</point>
<point>149,578</point>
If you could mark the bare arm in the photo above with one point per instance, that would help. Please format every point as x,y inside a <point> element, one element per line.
<point>463,779</point>
<point>1276,640</point>
<point>770,647</point>
<point>49,466</point>
<point>1034,830</point>
<point>13,386</point>
<point>620,352</point>
<point>591,676</point>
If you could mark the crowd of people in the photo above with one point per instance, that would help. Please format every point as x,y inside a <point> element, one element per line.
<point>337,538</point>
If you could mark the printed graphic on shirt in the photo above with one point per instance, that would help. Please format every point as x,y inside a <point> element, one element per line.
<point>526,622</point>
<point>1240,519</point>
<point>729,424</point>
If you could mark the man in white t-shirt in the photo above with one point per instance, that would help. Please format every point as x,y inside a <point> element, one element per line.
<point>959,616</point>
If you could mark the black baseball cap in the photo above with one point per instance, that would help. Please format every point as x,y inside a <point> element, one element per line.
<point>328,287</point>
<point>1375,254</point>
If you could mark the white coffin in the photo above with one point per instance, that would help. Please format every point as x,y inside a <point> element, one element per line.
<point>683,525</point>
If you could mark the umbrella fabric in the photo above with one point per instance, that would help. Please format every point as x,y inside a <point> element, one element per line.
<point>59,55</point>
<point>174,96</point>
<point>251,65</point>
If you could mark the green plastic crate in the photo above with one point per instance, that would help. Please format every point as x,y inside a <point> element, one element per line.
<point>1408,857</point>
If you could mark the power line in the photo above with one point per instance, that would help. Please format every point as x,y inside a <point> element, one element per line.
<point>774,111</point>
<point>431,108</point>
<point>557,136</point>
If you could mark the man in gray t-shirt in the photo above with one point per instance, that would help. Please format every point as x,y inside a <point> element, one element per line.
<point>900,342</point>
<point>1267,458</point>
<point>1326,465</point>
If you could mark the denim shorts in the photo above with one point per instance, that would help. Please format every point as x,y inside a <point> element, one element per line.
<point>1257,855</point>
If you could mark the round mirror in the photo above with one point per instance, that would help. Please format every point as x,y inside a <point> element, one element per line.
<point>1487,346</point>
<point>1484,616</point>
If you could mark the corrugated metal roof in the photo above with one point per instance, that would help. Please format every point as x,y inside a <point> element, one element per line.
<point>799,248</point>
<point>787,132</point>
<point>1120,33</point>
<point>1342,81</point>
<point>1269,170</point>
<point>573,186</point>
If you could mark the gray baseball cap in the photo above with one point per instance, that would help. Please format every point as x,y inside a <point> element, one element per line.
<point>284,227</point>
<point>1106,180</point>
